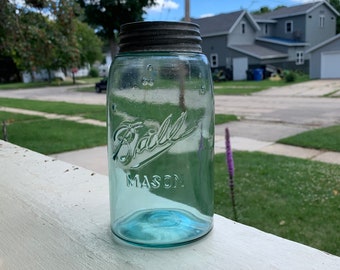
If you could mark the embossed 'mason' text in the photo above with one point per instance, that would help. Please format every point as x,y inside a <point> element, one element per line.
<point>168,181</point>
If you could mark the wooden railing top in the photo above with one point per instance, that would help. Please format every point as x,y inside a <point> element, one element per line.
<point>54,215</point>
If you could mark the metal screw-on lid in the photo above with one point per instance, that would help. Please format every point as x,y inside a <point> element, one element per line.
<point>160,36</point>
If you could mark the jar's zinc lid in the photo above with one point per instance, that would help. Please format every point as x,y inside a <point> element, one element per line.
<point>160,36</point>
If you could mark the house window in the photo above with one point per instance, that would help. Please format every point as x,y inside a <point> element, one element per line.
<point>243,27</point>
<point>289,26</point>
<point>322,21</point>
<point>266,29</point>
<point>299,58</point>
<point>214,60</point>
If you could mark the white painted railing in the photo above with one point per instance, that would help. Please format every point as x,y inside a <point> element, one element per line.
<point>54,215</point>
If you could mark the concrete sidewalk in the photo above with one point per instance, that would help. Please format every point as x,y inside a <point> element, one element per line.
<point>95,159</point>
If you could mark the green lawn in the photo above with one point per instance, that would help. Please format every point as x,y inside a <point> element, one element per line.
<point>48,136</point>
<point>224,118</point>
<point>68,82</point>
<point>294,198</point>
<point>323,138</point>
<point>249,87</point>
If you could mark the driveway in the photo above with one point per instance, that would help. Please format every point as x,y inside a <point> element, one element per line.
<point>265,116</point>
<point>281,112</point>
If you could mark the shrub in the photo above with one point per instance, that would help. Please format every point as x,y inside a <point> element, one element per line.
<point>290,76</point>
<point>94,72</point>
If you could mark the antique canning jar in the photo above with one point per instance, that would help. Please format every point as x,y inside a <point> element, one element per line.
<point>160,135</point>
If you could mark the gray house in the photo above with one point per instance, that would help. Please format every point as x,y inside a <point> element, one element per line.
<point>239,40</point>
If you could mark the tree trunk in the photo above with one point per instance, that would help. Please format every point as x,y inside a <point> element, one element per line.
<point>49,75</point>
<point>32,75</point>
<point>113,47</point>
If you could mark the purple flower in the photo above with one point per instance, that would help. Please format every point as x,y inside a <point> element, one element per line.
<point>230,165</point>
<point>229,154</point>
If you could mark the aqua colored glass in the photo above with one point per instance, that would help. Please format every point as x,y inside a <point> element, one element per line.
<point>160,136</point>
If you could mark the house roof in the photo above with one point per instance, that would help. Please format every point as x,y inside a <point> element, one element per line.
<point>293,11</point>
<point>222,23</point>
<point>258,51</point>
<point>326,42</point>
<point>282,41</point>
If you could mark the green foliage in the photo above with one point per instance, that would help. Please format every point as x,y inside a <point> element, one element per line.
<point>94,72</point>
<point>290,76</point>
<point>262,10</point>
<point>36,41</point>
<point>107,16</point>
<point>89,44</point>
<point>266,9</point>
<point>336,5</point>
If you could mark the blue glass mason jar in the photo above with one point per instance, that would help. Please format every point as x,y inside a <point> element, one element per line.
<point>160,135</point>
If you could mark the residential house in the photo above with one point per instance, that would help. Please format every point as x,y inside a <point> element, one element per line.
<point>239,40</point>
<point>325,59</point>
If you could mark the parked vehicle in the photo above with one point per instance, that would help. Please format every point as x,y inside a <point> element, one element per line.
<point>101,86</point>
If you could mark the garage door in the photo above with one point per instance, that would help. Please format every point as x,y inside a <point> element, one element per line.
<point>330,65</point>
<point>240,66</point>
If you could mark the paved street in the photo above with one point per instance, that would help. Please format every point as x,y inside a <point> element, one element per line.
<point>68,94</point>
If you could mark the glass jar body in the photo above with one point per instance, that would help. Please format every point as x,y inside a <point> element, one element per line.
<point>160,147</point>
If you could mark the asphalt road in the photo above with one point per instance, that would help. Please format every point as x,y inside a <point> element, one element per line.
<point>266,116</point>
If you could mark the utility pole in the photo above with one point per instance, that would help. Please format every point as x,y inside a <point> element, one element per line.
<point>187,11</point>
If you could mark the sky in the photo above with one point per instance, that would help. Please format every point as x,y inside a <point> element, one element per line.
<point>173,10</point>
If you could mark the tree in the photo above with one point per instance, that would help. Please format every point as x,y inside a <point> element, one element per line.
<point>336,5</point>
<point>7,22</point>
<point>266,9</point>
<point>106,16</point>
<point>88,43</point>
<point>46,34</point>
<point>39,34</point>
<point>262,10</point>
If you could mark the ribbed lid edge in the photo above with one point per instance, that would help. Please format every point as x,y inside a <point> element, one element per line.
<point>160,36</point>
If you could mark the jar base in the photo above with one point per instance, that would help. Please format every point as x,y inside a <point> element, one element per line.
<point>161,228</point>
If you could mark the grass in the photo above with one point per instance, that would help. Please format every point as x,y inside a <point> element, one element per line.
<point>51,136</point>
<point>249,87</point>
<point>293,198</point>
<point>224,118</point>
<point>323,138</point>
<point>97,112</point>
<point>68,82</point>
